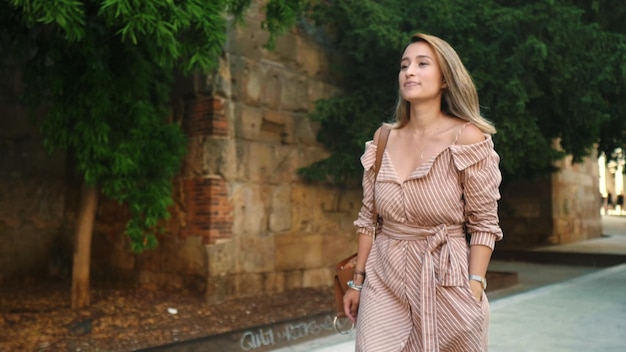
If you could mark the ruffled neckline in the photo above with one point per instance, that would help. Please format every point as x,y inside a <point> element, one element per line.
<point>463,156</point>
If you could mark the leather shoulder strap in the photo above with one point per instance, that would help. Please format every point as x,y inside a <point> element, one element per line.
<point>381,144</point>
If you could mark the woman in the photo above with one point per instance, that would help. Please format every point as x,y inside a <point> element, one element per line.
<point>418,286</point>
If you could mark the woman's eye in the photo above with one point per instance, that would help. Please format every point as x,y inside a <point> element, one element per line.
<point>423,63</point>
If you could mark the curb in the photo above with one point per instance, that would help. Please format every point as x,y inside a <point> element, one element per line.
<point>261,338</point>
<point>560,258</point>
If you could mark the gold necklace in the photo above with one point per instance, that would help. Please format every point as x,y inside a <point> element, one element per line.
<point>429,140</point>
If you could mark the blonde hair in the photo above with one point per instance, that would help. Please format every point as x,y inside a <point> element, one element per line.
<point>460,98</point>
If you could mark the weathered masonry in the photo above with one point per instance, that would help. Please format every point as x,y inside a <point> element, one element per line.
<point>244,221</point>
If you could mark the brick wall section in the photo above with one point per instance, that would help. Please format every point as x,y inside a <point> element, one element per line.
<point>209,212</point>
<point>208,209</point>
<point>204,116</point>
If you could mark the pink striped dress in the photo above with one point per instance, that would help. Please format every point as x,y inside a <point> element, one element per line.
<point>416,296</point>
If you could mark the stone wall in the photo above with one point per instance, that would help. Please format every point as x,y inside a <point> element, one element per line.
<point>285,233</point>
<point>576,202</point>
<point>244,221</point>
<point>32,191</point>
<point>525,213</point>
<point>556,209</point>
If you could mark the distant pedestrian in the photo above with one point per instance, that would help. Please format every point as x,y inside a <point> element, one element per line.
<point>418,286</point>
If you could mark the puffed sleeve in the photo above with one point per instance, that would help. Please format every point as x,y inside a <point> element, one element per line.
<point>481,177</point>
<point>364,221</point>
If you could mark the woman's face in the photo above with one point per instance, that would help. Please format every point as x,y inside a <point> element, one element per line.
<point>420,77</point>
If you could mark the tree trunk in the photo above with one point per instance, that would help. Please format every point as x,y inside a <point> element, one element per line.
<point>82,247</point>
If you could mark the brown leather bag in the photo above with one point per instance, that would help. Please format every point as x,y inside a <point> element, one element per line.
<point>344,270</point>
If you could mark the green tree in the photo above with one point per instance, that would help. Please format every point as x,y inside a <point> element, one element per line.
<point>103,69</point>
<point>610,16</point>
<point>545,70</point>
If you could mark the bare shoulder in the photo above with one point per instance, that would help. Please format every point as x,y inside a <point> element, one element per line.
<point>376,135</point>
<point>378,132</point>
<point>470,134</point>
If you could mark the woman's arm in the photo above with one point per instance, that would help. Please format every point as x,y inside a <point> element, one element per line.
<point>478,262</point>
<point>481,194</point>
<point>365,229</point>
<point>352,297</point>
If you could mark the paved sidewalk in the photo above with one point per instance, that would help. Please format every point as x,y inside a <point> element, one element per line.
<point>582,314</point>
<point>555,308</point>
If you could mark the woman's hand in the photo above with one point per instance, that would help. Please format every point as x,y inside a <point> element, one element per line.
<point>475,286</point>
<point>351,303</point>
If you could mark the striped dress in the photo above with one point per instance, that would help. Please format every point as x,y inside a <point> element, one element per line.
<point>416,296</point>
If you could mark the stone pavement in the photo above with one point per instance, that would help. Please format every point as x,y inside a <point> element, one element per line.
<point>554,307</point>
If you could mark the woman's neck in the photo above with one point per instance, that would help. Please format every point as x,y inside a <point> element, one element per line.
<point>424,118</point>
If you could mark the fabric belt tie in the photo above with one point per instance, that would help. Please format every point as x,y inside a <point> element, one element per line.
<point>449,273</point>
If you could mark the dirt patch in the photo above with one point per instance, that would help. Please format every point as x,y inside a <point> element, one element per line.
<point>36,316</point>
